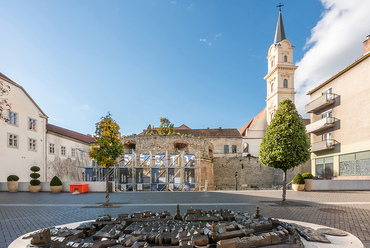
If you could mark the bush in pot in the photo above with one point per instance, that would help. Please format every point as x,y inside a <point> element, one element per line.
<point>12,181</point>
<point>298,183</point>
<point>308,181</point>
<point>35,183</point>
<point>56,185</point>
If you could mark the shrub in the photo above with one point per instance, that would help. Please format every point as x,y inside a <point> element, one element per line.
<point>55,181</point>
<point>35,176</point>
<point>307,176</point>
<point>35,182</point>
<point>298,179</point>
<point>35,168</point>
<point>12,178</point>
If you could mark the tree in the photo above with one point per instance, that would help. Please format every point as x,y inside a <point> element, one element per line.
<point>4,104</point>
<point>166,127</point>
<point>285,144</point>
<point>108,147</point>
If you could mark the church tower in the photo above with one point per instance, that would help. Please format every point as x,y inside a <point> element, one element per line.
<point>280,75</point>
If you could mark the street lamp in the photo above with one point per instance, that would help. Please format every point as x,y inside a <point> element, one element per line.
<point>236,180</point>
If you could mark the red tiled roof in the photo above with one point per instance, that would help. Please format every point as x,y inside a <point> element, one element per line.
<point>71,134</point>
<point>251,122</point>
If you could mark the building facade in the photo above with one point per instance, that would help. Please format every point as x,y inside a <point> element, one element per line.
<point>340,124</point>
<point>26,139</point>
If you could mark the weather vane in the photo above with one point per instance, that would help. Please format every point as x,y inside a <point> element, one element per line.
<point>279,6</point>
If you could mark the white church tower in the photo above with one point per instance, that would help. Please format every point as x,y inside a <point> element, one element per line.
<point>280,75</point>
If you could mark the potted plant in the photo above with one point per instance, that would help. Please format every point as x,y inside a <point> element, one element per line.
<point>298,183</point>
<point>308,181</point>
<point>56,185</point>
<point>35,182</point>
<point>12,183</point>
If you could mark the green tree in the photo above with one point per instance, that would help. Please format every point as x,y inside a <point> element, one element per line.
<point>285,144</point>
<point>108,147</point>
<point>166,127</point>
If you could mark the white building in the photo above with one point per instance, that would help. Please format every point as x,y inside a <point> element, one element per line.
<point>26,140</point>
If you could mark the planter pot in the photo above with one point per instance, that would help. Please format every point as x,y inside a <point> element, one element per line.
<point>13,186</point>
<point>298,187</point>
<point>34,188</point>
<point>308,183</point>
<point>56,189</point>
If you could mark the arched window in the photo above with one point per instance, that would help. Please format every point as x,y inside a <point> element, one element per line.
<point>285,58</point>
<point>245,147</point>
<point>272,87</point>
<point>272,63</point>
<point>272,115</point>
<point>285,83</point>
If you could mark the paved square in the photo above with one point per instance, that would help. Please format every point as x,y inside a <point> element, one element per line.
<point>24,212</point>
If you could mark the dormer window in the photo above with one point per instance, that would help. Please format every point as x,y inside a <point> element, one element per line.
<point>285,83</point>
<point>285,58</point>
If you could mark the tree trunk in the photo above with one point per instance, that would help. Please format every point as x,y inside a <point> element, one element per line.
<point>106,187</point>
<point>284,188</point>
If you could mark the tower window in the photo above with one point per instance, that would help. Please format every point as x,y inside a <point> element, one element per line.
<point>285,58</point>
<point>285,83</point>
<point>272,87</point>
<point>272,63</point>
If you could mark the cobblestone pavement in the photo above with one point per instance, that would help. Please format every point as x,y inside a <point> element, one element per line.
<point>24,212</point>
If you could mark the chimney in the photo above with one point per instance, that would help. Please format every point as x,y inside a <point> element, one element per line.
<point>367,44</point>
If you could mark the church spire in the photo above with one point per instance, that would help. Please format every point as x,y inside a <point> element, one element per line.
<point>280,33</point>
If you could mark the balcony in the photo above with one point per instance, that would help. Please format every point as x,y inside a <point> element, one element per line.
<point>321,102</point>
<point>323,145</point>
<point>322,124</point>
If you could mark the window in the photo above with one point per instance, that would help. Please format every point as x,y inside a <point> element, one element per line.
<point>234,149</point>
<point>272,63</point>
<point>327,136</point>
<point>63,150</point>
<point>324,167</point>
<point>31,144</point>
<point>73,152</point>
<point>327,114</point>
<point>285,83</point>
<point>272,87</point>
<point>13,118</point>
<point>13,140</point>
<point>51,148</point>
<point>226,149</point>
<point>245,147</point>
<point>31,124</point>
<point>272,115</point>
<point>329,94</point>
<point>285,58</point>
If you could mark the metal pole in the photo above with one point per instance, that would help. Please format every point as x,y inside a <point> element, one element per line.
<point>236,181</point>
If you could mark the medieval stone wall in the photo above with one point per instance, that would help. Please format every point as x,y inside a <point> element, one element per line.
<point>251,172</point>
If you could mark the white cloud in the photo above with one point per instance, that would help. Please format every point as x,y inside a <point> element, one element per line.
<point>205,41</point>
<point>335,42</point>
<point>173,2</point>
<point>190,6</point>
<point>218,35</point>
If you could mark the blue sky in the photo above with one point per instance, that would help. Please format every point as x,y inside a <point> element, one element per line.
<point>199,63</point>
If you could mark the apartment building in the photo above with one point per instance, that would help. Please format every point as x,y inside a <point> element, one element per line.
<point>340,123</point>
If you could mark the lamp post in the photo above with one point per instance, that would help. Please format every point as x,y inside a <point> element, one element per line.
<point>236,180</point>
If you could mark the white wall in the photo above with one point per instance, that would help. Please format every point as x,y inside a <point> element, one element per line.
<point>19,160</point>
<point>66,167</point>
